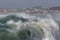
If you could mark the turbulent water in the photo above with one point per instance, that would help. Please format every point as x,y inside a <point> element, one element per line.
<point>23,26</point>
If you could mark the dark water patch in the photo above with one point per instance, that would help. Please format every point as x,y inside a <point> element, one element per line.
<point>3,27</point>
<point>7,36</point>
<point>12,17</point>
<point>24,34</point>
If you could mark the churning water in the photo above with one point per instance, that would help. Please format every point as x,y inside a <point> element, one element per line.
<point>23,26</point>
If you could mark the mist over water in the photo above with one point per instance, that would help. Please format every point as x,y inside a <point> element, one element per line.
<point>24,26</point>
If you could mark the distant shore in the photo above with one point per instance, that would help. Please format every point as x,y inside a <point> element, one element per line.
<point>32,10</point>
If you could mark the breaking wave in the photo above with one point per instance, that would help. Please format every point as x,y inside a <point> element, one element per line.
<point>23,26</point>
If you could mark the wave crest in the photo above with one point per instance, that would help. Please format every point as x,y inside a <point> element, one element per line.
<point>27,27</point>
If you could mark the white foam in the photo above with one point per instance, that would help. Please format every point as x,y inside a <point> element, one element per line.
<point>48,26</point>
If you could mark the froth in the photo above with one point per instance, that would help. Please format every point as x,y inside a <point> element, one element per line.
<point>39,28</point>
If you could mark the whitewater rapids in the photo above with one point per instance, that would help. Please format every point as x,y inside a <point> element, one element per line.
<point>23,26</point>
